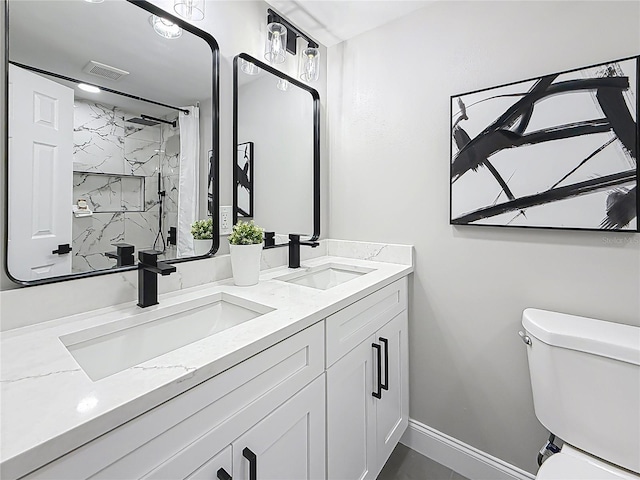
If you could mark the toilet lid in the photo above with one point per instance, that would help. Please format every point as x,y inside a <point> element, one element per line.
<point>567,467</point>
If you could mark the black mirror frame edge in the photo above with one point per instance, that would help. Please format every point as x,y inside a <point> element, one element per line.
<point>316,138</point>
<point>215,146</point>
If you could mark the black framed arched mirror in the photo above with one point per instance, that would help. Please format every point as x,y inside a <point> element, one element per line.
<point>113,121</point>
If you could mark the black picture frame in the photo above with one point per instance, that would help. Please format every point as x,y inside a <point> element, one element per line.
<point>244,180</point>
<point>558,151</point>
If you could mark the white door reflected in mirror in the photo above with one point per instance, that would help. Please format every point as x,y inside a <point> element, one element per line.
<point>41,170</point>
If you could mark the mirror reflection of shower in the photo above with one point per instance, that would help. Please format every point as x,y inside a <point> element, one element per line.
<point>166,238</point>
<point>145,182</point>
<point>163,240</point>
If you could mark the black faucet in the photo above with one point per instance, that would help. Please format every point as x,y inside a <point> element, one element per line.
<point>294,249</point>
<point>148,270</point>
<point>269,239</point>
<point>123,255</point>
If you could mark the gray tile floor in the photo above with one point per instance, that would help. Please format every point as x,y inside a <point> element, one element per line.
<point>407,464</point>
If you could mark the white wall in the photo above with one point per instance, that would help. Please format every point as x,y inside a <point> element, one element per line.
<point>283,153</point>
<point>238,26</point>
<point>388,98</point>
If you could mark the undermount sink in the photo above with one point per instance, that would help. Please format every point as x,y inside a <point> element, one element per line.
<point>115,346</point>
<point>326,276</point>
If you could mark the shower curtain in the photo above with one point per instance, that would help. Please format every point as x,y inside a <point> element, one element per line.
<point>188,180</point>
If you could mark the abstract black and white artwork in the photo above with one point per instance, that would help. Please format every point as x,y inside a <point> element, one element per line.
<point>557,151</point>
<point>244,179</point>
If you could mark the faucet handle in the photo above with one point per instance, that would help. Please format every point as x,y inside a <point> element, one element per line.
<point>148,257</point>
<point>294,237</point>
<point>269,239</point>
<point>149,261</point>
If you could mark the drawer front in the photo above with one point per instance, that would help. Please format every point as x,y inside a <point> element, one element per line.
<point>351,325</point>
<point>209,471</point>
<point>140,445</point>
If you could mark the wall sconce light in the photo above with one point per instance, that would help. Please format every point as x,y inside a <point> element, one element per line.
<point>282,85</point>
<point>309,64</point>
<point>276,43</point>
<point>189,9</point>
<point>164,27</point>
<point>283,36</point>
<point>249,68</point>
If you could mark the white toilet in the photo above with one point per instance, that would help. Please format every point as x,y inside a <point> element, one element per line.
<point>585,377</point>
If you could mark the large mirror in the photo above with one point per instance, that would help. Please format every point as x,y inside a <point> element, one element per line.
<point>277,162</point>
<point>112,127</point>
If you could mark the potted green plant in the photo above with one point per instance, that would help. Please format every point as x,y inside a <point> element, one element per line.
<point>245,245</point>
<point>202,231</point>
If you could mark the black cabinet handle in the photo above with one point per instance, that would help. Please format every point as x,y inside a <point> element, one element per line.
<point>253,463</point>
<point>62,249</point>
<point>385,385</point>
<point>378,394</point>
<point>223,475</point>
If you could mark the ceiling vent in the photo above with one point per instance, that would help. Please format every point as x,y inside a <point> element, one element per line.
<point>104,71</point>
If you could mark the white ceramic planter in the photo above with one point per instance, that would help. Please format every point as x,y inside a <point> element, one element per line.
<point>201,247</point>
<point>245,264</point>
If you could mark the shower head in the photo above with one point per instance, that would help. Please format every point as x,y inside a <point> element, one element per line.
<point>142,121</point>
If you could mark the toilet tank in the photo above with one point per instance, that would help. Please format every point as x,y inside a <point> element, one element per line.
<point>585,378</point>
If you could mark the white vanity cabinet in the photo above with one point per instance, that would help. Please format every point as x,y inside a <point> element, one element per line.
<point>289,443</point>
<point>367,383</point>
<point>199,428</point>
<point>328,403</point>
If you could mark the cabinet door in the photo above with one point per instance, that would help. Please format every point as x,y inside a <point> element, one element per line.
<point>351,416</point>
<point>219,467</point>
<point>289,444</point>
<point>392,410</point>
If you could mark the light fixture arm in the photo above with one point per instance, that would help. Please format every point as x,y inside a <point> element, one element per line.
<point>273,17</point>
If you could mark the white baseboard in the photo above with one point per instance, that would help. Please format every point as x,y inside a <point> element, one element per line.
<point>458,456</point>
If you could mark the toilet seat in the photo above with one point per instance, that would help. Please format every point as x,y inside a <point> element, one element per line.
<point>572,464</point>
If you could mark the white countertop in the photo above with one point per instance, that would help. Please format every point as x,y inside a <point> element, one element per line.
<point>50,406</point>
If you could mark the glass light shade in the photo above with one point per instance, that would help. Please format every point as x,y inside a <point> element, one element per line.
<point>249,68</point>
<point>165,28</point>
<point>310,64</point>
<point>282,84</point>
<point>275,48</point>
<point>189,9</point>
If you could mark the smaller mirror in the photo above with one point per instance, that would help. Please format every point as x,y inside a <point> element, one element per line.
<point>277,137</point>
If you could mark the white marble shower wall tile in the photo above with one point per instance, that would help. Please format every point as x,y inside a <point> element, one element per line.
<point>151,133</point>
<point>170,165</point>
<point>170,185</point>
<point>98,137</point>
<point>103,193</point>
<point>140,229</point>
<point>142,156</point>
<point>150,192</point>
<point>109,193</point>
<point>133,194</point>
<point>94,236</point>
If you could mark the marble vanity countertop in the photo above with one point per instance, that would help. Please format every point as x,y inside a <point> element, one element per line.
<point>50,406</point>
